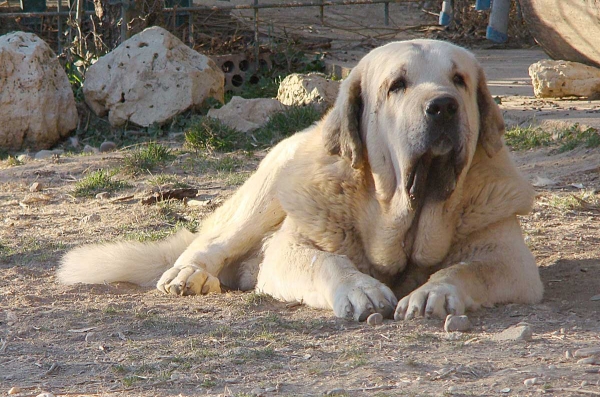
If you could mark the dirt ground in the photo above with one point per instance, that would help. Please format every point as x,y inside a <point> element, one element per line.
<point>124,340</point>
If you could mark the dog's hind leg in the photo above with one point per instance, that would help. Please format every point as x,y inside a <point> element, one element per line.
<point>235,229</point>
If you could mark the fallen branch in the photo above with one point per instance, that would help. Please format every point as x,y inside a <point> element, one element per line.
<point>178,194</point>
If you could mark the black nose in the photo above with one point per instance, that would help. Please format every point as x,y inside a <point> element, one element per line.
<point>441,109</point>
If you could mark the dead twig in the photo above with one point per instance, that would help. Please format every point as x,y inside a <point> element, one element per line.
<point>178,194</point>
<point>565,389</point>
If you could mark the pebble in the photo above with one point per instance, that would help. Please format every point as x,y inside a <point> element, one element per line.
<point>584,383</point>
<point>568,354</point>
<point>44,154</point>
<point>457,323</point>
<point>505,390</point>
<point>375,319</point>
<point>45,394</point>
<point>24,157</point>
<point>530,382</point>
<point>516,333</point>
<point>36,187</point>
<point>257,392</point>
<point>90,218</point>
<point>587,352</point>
<point>589,361</point>
<point>593,298</point>
<point>452,389</point>
<point>103,195</point>
<point>90,149</point>
<point>14,390</point>
<point>107,146</point>
<point>336,392</point>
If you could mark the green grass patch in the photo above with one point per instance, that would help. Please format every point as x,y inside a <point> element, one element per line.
<point>212,135</point>
<point>13,161</point>
<point>574,136</point>
<point>585,201</point>
<point>148,157</point>
<point>166,179</point>
<point>525,138</point>
<point>286,123</point>
<point>98,181</point>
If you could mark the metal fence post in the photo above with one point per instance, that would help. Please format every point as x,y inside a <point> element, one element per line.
<point>386,13</point>
<point>256,43</point>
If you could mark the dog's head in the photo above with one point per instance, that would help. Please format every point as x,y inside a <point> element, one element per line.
<point>415,112</point>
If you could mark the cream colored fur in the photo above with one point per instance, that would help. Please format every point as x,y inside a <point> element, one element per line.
<point>327,219</point>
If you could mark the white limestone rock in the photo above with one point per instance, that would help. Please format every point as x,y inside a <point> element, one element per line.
<point>150,78</point>
<point>36,101</point>
<point>246,114</point>
<point>559,79</point>
<point>308,89</point>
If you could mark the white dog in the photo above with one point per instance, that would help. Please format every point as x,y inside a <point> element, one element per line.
<point>404,190</point>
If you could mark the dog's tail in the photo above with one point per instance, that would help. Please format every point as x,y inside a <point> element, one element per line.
<point>134,262</point>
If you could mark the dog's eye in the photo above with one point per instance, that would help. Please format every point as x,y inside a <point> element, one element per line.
<point>398,85</point>
<point>459,80</point>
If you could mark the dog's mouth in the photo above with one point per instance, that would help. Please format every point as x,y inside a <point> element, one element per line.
<point>433,175</point>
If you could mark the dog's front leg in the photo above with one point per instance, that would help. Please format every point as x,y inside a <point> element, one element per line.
<point>489,267</point>
<point>235,229</point>
<point>295,272</point>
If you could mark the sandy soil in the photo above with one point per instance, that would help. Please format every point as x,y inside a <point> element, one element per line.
<point>123,340</point>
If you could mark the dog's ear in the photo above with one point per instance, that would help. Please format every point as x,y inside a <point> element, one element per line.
<point>341,129</point>
<point>491,123</point>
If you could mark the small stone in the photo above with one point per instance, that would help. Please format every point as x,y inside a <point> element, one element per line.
<point>90,218</point>
<point>14,390</point>
<point>457,323</point>
<point>103,195</point>
<point>44,154</point>
<point>375,319</point>
<point>593,298</point>
<point>107,146</point>
<point>505,390</point>
<point>568,354</point>
<point>516,333</point>
<point>587,352</point>
<point>589,361</point>
<point>90,149</point>
<point>452,389</point>
<point>257,392</point>
<point>35,187</point>
<point>45,394</point>
<point>336,392</point>
<point>584,383</point>
<point>24,157</point>
<point>530,382</point>
<point>551,367</point>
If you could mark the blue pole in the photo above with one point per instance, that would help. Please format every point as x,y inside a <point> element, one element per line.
<point>498,26</point>
<point>482,5</point>
<point>446,14</point>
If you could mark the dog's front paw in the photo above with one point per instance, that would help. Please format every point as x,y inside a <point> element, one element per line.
<point>360,299</point>
<point>188,280</point>
<point>431,300</point>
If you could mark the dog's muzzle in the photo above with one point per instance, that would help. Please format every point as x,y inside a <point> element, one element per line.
<point>434,173</point>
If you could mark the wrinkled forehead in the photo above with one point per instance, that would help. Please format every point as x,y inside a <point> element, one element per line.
<point>420,60</point>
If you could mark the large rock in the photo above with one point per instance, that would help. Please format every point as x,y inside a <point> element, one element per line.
<point>247,114</point>
<point>149,79</point>
<point>308,89</point>
<point>37,107</point>
<point>558,79</point>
